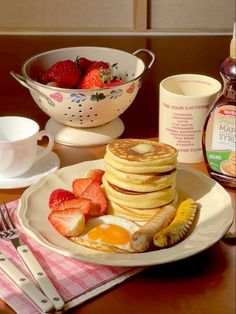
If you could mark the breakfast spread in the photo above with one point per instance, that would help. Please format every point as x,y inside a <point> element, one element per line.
<point>82,74</point>
<point>101,215</point>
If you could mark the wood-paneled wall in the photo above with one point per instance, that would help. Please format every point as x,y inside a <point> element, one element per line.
<point>116,15</point>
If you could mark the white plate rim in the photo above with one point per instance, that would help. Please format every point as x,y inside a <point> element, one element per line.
<point>137,259</point>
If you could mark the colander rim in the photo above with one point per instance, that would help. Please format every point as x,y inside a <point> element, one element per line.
<point>54,88</point>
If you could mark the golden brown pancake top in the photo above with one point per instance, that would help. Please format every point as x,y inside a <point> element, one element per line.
<point>140,150</point>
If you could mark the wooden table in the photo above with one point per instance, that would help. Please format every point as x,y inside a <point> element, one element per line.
<point>201,284</point>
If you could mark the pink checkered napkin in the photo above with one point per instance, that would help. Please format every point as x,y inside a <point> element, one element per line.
<point>75,281</point>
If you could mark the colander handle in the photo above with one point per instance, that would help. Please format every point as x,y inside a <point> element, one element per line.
<point>150,53</point>
<point>22,80</point>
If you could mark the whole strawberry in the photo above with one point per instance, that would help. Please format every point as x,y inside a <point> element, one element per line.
<point>86,65</point>
<point>98,65</point>
<point>96,78</point>
<point>83,63</point>
<point>65,73</point>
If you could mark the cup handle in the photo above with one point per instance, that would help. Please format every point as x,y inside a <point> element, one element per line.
<point>49,147</point>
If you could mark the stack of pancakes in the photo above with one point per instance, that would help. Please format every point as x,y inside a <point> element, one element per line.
<point>140,177</point>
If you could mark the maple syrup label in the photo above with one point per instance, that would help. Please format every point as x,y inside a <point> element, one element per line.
<point>221,140</point>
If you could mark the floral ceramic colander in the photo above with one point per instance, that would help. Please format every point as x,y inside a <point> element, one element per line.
<point>85,108</point>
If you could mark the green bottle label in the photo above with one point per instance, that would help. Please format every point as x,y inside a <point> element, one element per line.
<point>221,140</point>
<point>216,158</point>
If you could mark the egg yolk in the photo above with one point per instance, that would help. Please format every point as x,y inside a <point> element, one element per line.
<point>110,234</point>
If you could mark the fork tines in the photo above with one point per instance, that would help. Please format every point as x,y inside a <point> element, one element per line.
<point>6,221</point>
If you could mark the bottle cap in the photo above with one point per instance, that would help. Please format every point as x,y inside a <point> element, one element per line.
<point>233,44</point>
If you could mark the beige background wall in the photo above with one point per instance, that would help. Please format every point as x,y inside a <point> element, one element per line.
<point>193,15</point>
<point>66,14</point>
<point>117,15</point>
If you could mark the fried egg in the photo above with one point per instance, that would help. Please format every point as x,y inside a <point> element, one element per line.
<point>108,233</point>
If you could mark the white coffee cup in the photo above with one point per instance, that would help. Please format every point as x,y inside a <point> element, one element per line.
<point>18,145</point>
<point>185,100</point>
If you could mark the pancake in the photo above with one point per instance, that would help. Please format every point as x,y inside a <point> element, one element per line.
<point>140,156</point>
<point>228,168</point>
<point>139,182</point>
<point>137,215</point>
<point>232,158</point>
<point>139,200</point>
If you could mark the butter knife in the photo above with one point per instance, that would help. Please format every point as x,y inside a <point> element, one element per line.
<point>11,233</point>
<point>36,296</point>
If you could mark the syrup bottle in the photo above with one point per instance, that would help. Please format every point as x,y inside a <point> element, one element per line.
<point>219,134</point>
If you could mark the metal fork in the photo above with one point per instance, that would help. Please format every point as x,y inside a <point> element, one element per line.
<point>11,233</point>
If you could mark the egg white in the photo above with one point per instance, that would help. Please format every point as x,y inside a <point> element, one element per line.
<point>126,224</point>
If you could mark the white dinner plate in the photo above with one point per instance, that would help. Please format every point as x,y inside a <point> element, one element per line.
<point>214,219</point>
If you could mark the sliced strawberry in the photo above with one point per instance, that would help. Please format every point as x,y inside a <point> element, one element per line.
<point>80,185</point>
<point>95,193</point>
<point>66,73</point>
<point>59,196</point>
<point>69,222</point>
<point>85,205</point>
<point>96,175</point>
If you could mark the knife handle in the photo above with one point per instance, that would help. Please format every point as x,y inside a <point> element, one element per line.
<point>25,285</point>
<point>40,276</point>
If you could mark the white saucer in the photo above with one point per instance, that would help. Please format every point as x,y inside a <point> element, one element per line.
<point>48,164</point>
<point>72,136</point>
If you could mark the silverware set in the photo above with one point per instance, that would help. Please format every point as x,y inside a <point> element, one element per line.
<point>40,290</point>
